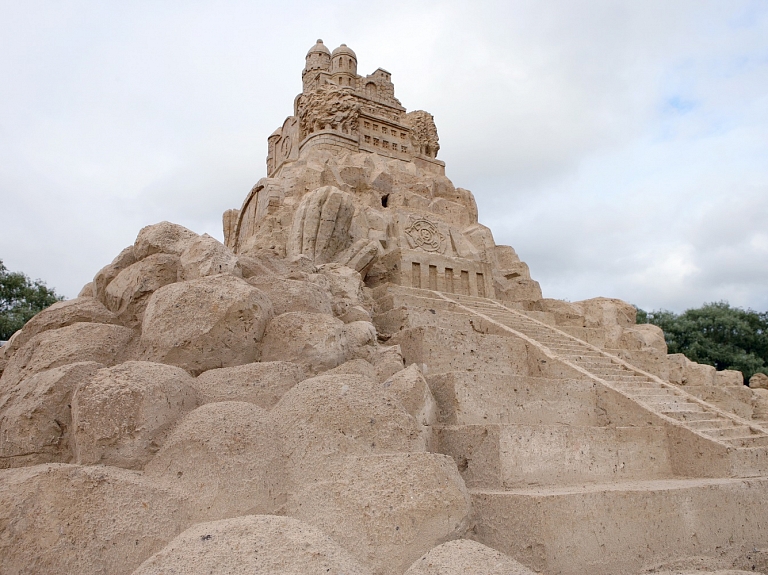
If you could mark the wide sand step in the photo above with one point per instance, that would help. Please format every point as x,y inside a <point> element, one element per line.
<point>510,456</point>
<point>621,527</point>
<point>466,398</point>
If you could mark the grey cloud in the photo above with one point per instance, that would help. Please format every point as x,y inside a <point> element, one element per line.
<point>619,147</point>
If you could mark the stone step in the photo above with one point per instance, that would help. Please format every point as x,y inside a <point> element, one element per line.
<point>643,385</point>
<point>710,424</point>
<point>689,415</point>
<point>511,456</point>
<point>594,362</point>
<point>734,432</point>
<point>621,527</point>
<point>465,398</point>
<point>747,442</point>
<point>469,299</point>
<point>574,350</point>
<point>628,380</point>
<point>653,392</point>
<point>577,356</point>
<point>409,300</point>
<point>670,406</point>
<point>617,375</point>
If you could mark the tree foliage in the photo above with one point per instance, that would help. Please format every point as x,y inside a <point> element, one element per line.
<point>20,299</point>
<point>716,334</point>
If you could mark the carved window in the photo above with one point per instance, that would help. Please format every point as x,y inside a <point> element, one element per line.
<point>375,127</point>
<point>367,139</point>
<point>394,146</point>
<point>368,125</point>
<point>385,144</point>
<point>403,148</point>
<point>383,130</point>
<point>375,141</point>
<point>402,135</point>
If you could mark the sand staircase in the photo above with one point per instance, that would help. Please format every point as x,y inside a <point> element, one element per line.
<point>590,466</point>
<point>666,400</point>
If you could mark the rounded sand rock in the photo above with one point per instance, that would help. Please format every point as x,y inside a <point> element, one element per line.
<point>109,272</point>
<point>316,340</point>
<point>164,238</point>
<point>205,324</point>
<point>465,556</point>
<point>260,383</point>
<point>252,544</point>
<point>61,314</point>
<point>122,415</point>
<point>227,456</point>
<point>128,293</point>
<point>206,256</point>
<point>387,510</point>
<point>293,295</point>
<point>73,520</point>
<point>329,416</point>
<point>102,343</point>
<point>35,416</point>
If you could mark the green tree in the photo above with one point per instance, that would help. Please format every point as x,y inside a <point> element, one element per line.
<point>716,334</point>
<point>20,299</point>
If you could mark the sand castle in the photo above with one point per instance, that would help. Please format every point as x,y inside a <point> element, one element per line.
<point>361,381</point>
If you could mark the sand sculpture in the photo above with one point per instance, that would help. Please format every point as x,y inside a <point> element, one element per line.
<point>361,381</point>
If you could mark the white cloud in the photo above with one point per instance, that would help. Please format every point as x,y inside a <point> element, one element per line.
<point>618,146</point>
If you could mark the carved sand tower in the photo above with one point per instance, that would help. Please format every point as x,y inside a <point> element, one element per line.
<point>362,382</point>
<point>385,206</point>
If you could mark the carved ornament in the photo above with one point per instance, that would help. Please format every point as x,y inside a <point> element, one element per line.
<point>423,234</point>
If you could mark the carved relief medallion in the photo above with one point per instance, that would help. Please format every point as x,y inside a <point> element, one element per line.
<point>285,147</point>
<point>423,234</point>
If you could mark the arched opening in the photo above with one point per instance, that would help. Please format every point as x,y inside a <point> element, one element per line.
<point>384,200</point>
<point>370,90</point>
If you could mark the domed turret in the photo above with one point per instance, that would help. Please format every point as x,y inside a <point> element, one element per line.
<point>318,48</point>
<point>318,58</point>
<point>318,61</point>
<point>344,66</point>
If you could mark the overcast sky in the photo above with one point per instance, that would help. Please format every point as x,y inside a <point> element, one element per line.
<point>621,147</point>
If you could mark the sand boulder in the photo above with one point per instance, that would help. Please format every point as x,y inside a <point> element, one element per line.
<point>643,337</point>
<point>228,458</point>
<point>204,324</point>
<point>73,520</point>
<point>609,313</point>
<point>165,238</point>
<point>128,293</point>
<point>105,275</point>
<point>260,383</point>
<point>122,415</point>
<point>206,256</point>
<point>758,381</point>
<point>252,544</point>
<point>387,510</point>
<point>345,286</point>
<point>328,416</point>
<point>61,314</point>
<point>293,295</point>
<point>102,343</point>
<point>411,389</point>
<point>316,340</point>
<point>36,418</point>
<point>354,367</point>
<point>465,556</point>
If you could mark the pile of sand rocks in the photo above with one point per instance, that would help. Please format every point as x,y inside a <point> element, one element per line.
<point>193,411</point>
